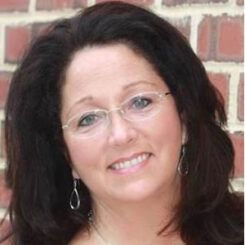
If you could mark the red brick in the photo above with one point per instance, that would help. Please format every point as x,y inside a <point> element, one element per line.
<point>240,2</point>
<point>14,5</point>
<point>238,142</point>
<point>54,4</point>
<point>4,86</point>
<point>205,43</point>
<point>221,38</point>
<point>136,2</point>
<point>230,39</point>
<point>60,4</point>
<point>5,193</point>
<point>2,142</point>
<point>221,82</point>
<point>177,2</point>
<point>80,3</point>
<point>17,39</point>
<point>240,109</point>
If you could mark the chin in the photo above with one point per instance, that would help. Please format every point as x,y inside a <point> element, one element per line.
<point>138,192</point>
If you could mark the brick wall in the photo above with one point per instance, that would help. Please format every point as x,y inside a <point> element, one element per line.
<point>213,27</point>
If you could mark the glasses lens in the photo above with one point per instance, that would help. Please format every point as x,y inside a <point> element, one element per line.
<point>88,123</point>
<point>142,106</point>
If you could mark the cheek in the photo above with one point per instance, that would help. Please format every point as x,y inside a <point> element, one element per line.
<point>167,135</point>
<point>172,131</point>
<point>83,155</point>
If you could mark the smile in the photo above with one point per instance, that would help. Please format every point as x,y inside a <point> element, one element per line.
<point>130,163</point>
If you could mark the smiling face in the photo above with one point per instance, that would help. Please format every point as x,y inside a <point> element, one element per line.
<point>127,160</point>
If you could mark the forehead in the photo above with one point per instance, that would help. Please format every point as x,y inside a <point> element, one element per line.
<point>104,72</point>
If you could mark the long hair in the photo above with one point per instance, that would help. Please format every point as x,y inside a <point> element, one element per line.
<point>38,163</point>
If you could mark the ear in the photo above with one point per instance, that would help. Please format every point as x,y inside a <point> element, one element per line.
<point>75,175</point>
<point>184,135</point>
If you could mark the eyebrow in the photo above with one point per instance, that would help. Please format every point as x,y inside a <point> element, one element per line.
<point>86,98</point>
<point>89,97</point>
<point>128,86</point>
<point>137,83</point>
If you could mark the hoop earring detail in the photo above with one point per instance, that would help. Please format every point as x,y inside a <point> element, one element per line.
<point>74,198</point>
<point>183,168</point>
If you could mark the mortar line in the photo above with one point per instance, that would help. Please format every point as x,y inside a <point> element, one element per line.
<point>156,5</point>
<point>91,2</point>
<point>195,21</point>
<point>3,213</point>
<point>232,98</point>
<point>2,44</point>
<point>32,6</point>
<point>176,11</point>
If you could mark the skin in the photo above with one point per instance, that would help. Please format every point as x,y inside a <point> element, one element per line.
<point>109,75</point>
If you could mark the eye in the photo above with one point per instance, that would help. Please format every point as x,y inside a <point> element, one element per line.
<point>89,119</point>
<point>140,102</point>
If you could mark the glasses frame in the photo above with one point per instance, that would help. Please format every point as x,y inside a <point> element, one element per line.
<point>119,109</point>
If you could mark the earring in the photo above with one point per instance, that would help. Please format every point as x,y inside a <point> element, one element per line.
<point>183,168</point>
<point>74,198</point>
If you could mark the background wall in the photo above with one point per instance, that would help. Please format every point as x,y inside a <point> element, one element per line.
<point>213,27</point>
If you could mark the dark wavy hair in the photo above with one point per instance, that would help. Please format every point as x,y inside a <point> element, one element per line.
<point>38,163</point>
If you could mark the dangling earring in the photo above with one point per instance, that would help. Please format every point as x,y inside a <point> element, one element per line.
<point>183,169</point>
<point>74,198</point>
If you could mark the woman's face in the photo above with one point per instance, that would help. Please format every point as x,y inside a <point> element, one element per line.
<point>127,160</point>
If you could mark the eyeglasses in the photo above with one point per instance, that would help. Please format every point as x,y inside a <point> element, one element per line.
<point>139,107</point>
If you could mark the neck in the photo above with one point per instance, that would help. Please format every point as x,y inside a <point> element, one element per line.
<point>135,222</point>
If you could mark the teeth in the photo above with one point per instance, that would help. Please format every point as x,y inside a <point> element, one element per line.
<point>131,163</point>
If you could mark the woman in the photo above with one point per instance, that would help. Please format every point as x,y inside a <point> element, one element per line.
<point>114,136</point>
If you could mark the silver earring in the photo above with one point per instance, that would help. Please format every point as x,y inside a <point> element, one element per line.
<point>74,198</point>
<point>183,169</point>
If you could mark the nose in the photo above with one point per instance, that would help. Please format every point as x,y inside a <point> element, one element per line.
<point>121,131</point>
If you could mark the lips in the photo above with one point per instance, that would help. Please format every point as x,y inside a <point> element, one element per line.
<point>127,163</point>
